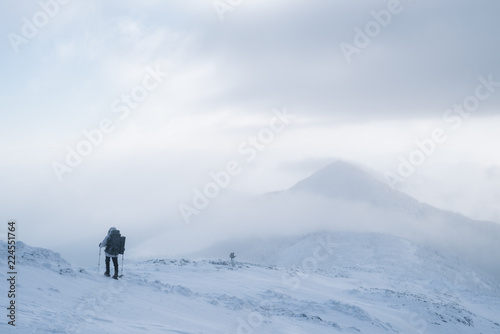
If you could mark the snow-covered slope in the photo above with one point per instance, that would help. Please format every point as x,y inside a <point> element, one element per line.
<point>349,182</point>
<point>393,286</point>
<point>334,253</point>
<point>343,196</point>
<point>339,197</point>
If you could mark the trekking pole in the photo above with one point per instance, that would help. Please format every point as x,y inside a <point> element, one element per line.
<point>99,263</point>
<point>122,264</point>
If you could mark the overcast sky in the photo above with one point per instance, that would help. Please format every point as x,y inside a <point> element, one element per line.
<point>177,87</point>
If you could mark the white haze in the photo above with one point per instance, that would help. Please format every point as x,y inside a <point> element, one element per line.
<point>284,215</point>
<point>224,80</point>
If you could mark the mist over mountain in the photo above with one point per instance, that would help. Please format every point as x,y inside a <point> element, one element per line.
<point>339,251</point>
<point>345,197</point>
<point>442,229</point>
<point>470,188</point>
<point>346,181</point>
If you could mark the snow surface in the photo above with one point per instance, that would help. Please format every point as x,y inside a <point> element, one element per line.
<point>318,283</point>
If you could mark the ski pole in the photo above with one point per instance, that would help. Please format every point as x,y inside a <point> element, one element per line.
<point>122,264</point>
<point>99,263</point>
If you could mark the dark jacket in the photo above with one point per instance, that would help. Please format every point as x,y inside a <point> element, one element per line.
<point>104,243</point>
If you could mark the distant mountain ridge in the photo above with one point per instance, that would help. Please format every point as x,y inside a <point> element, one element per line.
<point>345,191</point>
<point>346,181</point>
<point>337,254</point>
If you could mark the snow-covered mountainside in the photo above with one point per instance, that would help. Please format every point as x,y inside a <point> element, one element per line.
<point>333,253</point>
<point>345,181</point>
<point>378,262</point>
<point>342,196</point>
<point>349,182</point>
<point>324,283</point>
<point>339,197</point>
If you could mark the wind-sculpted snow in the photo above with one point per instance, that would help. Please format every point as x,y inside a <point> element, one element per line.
<point>217,296</point>
<point>36,257</point>
<point>339,254</point>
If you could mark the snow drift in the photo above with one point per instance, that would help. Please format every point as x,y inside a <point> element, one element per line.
<point>360,283</point>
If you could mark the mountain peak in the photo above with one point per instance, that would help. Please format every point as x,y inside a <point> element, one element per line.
<point>344,180</point>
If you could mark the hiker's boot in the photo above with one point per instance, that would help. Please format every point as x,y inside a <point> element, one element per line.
<point>106,273</point>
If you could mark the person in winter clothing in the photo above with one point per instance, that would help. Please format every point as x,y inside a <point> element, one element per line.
<point>107,242</point>
<point>232,256</point>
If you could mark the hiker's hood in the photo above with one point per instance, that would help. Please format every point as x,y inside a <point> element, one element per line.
<point>111,230</point>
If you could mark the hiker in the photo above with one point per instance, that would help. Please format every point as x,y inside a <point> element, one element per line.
<point>232,256</point>
<point>112,244</point>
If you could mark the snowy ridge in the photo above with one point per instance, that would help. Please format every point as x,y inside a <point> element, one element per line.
<point>376,294</point>
<point>35,257</point>
<point>346,181</point>
<point>337,254</point>
<point>349,182</point>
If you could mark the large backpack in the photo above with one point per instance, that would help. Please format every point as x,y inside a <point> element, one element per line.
<point>116,243</point>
